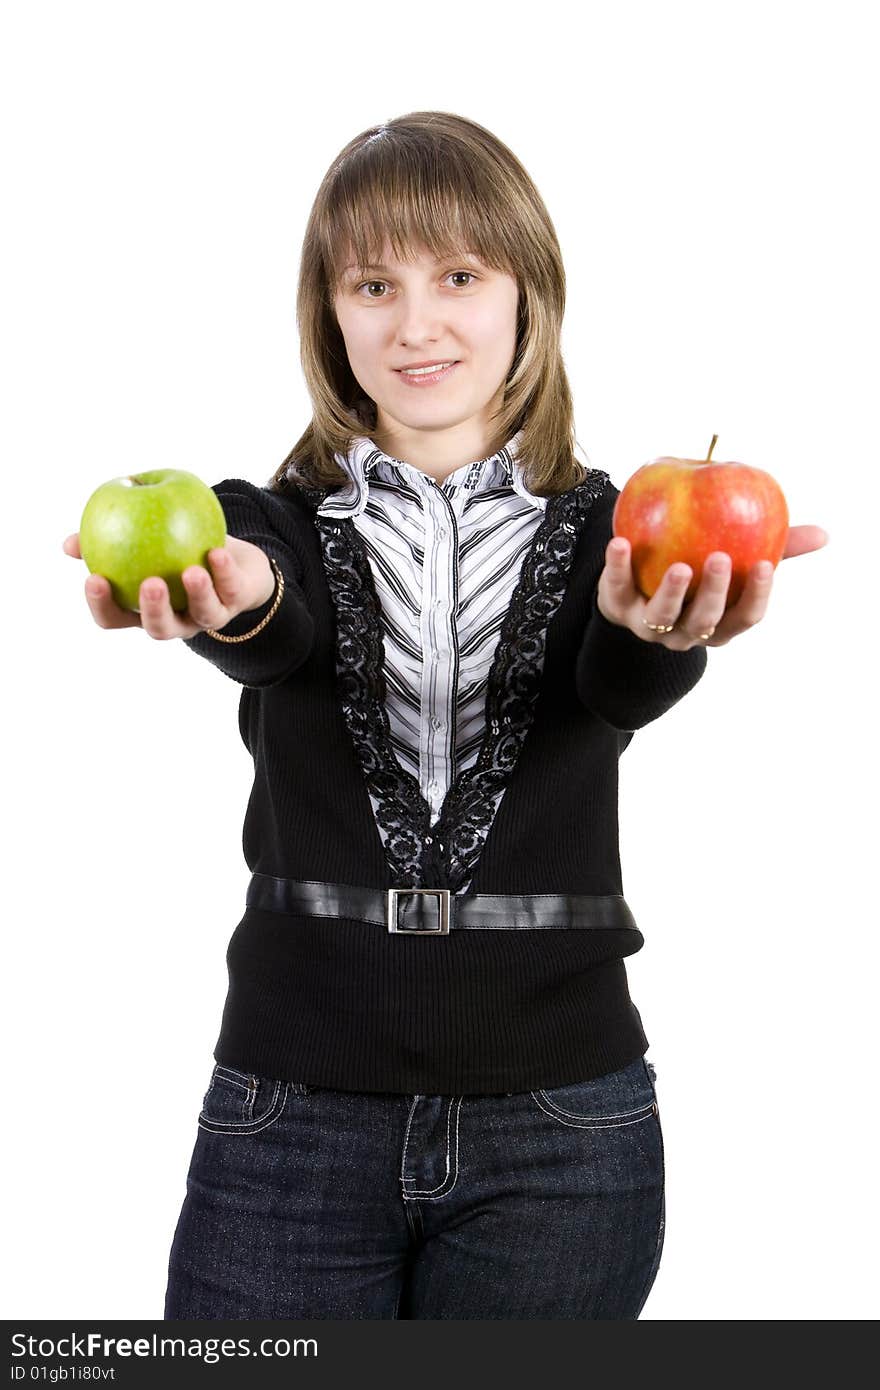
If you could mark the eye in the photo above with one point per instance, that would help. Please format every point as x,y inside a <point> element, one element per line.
<point>368,283</point>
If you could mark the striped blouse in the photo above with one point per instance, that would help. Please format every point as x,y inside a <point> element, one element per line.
<point>445,559</point>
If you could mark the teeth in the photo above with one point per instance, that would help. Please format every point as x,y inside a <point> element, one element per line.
<point>425,371</point>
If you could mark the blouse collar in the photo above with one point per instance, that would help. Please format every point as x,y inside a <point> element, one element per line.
<point>364,460</point>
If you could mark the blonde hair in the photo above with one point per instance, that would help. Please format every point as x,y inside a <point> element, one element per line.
<point>433,180</point>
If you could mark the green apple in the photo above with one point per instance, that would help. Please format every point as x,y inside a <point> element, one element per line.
<point>150,524</point>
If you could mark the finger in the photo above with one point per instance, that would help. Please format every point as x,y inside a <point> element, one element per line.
<point>103,607</point>
<point>752,603</point>
<point>801,540</point>
<point>71,546</point>
<point>706,608</point>
<point>618,570</point>
<point>214,598</point>
<point>157,616</point>
<point>663,609</point>
<point>226,574</point>
<point>204,604</point>
<point>616,590</point>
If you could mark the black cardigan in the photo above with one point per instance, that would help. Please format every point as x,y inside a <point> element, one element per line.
<point>343,1004</point>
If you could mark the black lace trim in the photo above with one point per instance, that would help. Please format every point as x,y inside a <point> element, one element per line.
<point>402,812</point>
<point>446,856</point>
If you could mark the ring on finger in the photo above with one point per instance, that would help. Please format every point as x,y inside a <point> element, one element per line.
<point>668,627</point>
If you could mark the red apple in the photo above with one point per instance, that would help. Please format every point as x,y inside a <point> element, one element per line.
<point>674,509</point>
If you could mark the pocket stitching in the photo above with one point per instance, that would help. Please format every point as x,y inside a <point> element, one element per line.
<point>235,1077</point>
<point>613,1115</point>
<point>589,1121</point>
<point>248,1126</point>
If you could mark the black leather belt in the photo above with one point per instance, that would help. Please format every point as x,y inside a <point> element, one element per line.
<point>437,911</point>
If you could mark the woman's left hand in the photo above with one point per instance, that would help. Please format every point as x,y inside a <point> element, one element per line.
<point>703,622</point>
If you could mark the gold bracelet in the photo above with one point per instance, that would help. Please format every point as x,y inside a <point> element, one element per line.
<point>212,632</point>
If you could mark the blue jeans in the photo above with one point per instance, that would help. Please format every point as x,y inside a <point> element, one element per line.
<point>304,1202</point>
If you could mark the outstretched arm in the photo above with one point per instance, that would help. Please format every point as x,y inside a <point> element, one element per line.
<point>640,656</point>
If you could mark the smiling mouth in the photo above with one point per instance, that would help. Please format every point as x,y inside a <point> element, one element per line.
<point>426,376</point>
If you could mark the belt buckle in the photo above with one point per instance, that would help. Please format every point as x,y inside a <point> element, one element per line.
<point>442,929</point>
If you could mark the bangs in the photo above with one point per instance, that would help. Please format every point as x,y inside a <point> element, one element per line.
<point>412,200</point>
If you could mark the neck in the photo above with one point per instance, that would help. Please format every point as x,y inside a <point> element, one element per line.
<point>436,452</point>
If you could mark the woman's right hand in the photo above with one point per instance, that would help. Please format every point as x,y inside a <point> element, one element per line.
<point>241,579</point>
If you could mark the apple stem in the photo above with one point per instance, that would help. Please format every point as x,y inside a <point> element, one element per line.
<point>711,447</point>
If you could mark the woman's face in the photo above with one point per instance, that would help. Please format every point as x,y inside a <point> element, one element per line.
<point>455,310</point>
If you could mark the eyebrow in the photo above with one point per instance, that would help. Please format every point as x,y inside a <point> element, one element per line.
<point>464,255</point>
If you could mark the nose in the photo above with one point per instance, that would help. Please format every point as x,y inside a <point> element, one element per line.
<point>419,318</point>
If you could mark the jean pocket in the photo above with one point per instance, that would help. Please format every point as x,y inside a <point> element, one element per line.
<point>624,1097</point>
<point>239,1102</point>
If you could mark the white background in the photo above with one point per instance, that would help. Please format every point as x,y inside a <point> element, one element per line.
<point>708,171</point>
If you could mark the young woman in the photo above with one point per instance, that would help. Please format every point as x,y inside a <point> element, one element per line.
<point>430,1097</point>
